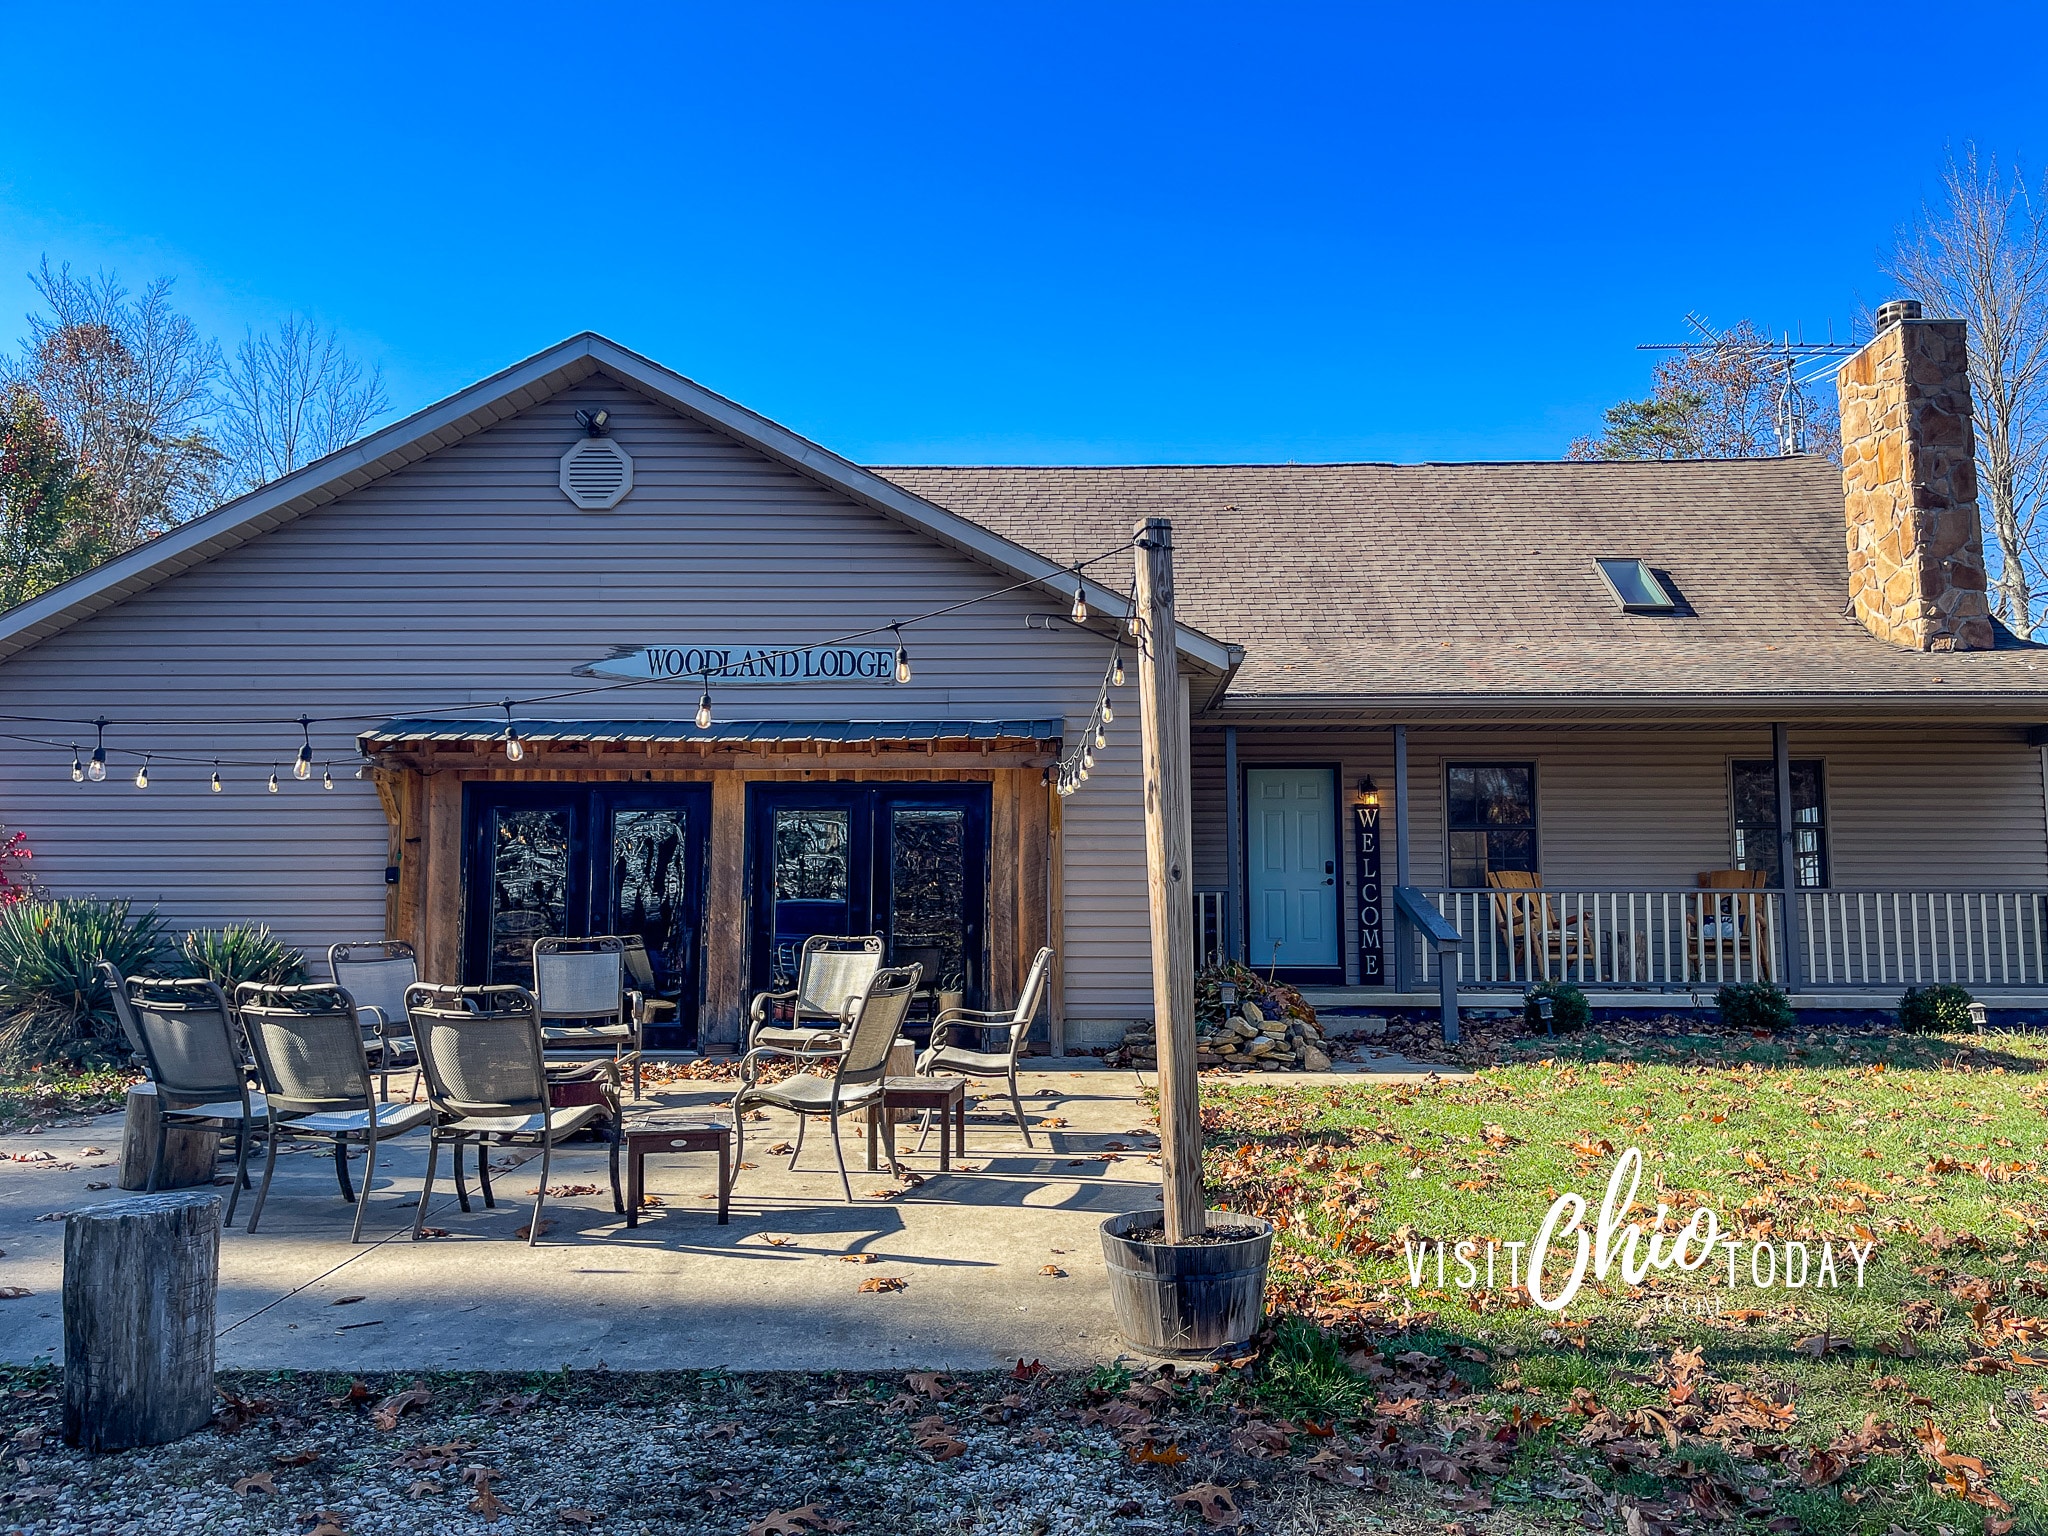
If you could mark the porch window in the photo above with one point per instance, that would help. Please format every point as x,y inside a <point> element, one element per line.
<point>1491,820</point>
<point>1755,799</point>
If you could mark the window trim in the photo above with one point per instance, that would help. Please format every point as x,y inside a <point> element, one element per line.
<point>1535,805</point>
<point>1656,583</point>
<point>1827,814</point>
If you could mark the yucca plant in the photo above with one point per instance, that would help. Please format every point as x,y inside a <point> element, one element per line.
<point>242,952</point>
<point>53,1006</point>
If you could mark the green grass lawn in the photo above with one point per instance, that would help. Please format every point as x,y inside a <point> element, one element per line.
<point>1751,1404</point>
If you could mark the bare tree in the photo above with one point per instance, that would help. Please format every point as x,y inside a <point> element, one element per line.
<point>291,396</point>
<point>1719,400</point>
<point>1983,258</point>
<point>128,382</point>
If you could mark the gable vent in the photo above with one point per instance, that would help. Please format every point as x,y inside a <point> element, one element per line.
<point>596,474</point>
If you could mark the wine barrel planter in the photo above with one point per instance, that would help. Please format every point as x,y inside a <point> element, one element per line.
<point>1189,1300</point>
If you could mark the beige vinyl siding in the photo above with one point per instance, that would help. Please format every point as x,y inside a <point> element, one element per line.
<point>1642,807</point>
<point>467,577</point>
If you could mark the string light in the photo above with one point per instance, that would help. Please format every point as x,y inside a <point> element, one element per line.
<point>1080,613</point>
<point>1108,713</point>
<point>273,781</point>
<point>96,770</point>
<point>77,765</point>
<point>214,783</point>
<point>302,765</point>
<point>326,776</point>
<point>1101,738</point>
<point>1132,623</point>
<point>515,749</point>
<point>142,773</point>
<point>1116,671</point>
<point>902,655</point>
<point>704,705</point>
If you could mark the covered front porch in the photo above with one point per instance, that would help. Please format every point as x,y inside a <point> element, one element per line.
<point>1647,860</point>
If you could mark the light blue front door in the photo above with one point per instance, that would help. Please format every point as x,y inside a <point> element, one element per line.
<point>1291,866</point>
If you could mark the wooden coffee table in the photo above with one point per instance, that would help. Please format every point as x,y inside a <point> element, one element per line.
<point>694,1136</point>
<point>905,1095</point>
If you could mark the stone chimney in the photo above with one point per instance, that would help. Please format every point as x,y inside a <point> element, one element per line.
<point>1909,485</point>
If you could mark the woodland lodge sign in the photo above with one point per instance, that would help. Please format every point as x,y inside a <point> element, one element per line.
<point>753,663</point>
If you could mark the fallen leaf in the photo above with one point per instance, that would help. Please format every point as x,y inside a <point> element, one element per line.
<point>1211,1500</point>
<point>423,1488</point>
<point>255,1482</point>
<point>780,1149</point>
<point>296,1458</point>
<point>884,1283</point>
<point>433,1231</point>
<point>345,1301</point>
<point>387,1413</point>
<point>358,1392</point>
<point>1052,1122</point>
<point>101,1185</point>
<point>578,1516</point>
<point>525,1233</point>
<point>856,1258</point>
<point>776,1242</point>
<point>14,1292</point>
<point>792,1522</point>
<point>1026,1372</point>
<point>1153,1454</point>
<point>1054,1270</point>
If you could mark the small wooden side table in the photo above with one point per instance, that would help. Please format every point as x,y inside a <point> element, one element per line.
<point>902,1096</point>
<point>701,1136</point>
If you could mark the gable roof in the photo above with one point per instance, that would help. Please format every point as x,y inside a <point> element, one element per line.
<point>506,394</point>
<point>1396,586</point>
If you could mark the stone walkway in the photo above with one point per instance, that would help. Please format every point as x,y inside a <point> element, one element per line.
<point>772,1290</point>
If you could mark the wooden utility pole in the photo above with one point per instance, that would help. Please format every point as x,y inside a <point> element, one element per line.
<point>1167,867</point>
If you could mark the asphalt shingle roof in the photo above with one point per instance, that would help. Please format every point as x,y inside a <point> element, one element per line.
<point>1469,580</point>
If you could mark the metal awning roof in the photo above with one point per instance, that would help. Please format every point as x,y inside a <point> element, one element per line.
<point>724,733</point>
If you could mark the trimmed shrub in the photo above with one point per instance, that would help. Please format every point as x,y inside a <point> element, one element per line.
<point>53,1008</point>
<point>1937,1010</point>
<point>1755,1005</point>
<point>240,952</point>
<point>1568,1007</point>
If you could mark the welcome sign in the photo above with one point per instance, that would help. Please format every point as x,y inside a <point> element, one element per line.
<point>749,663</point>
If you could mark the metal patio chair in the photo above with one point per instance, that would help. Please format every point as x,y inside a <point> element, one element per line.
<point>582,983</point>
<point>873,1019</point>
<point>192,1049</point>
<point>481,1051</point>
<point>832,971</point>
<point>944,1057</point>
<point>376,972</point>
<point>654,1008</point>
<point>316,1082</point>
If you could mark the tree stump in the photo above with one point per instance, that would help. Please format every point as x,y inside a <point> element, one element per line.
<point>189,1155</point>
<point>140,1282</point>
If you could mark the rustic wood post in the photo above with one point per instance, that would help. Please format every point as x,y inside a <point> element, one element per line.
<point>189,1152</point>
<point>140,1280</point>
<point>1167,868</point>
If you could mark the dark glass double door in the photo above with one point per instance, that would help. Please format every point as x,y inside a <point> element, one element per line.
<point>906,861</point>
<point>571,860</point>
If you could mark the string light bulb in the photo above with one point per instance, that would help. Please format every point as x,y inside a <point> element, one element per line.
<point>1080,613</point>
<point>302,765</point>
<point>1101,738</point>
<point>214,783</point>
<point>704,707</point>
<point>902,655</point>
<point>96,770</point>
<point>326,776</point>
<point>1116,670</point>
<point>142,773</point>
<point>515,749</point>
<point>273,781</point>
<point>77,765</point>
<point>1108,713</point>
<point>1088,757</point>
<point>1132,622</point>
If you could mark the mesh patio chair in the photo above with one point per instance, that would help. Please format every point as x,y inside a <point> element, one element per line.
<point>376,972</point>
<point>945,1058</point>
<point>832,971</point>
<point>582,982</point>
<point>316,1082</point>
<point>191,1046</point>
<point>654,1009</point>
<point>873,1019</point>
<point>481,1050</point>
<point>124,1013</point>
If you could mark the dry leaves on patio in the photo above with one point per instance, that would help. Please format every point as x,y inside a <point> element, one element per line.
<point>885,1283</point>
<point>525,1233</point>
<point>1054,1270</point>
<point>856,1258</point>
<point>14,1292</point>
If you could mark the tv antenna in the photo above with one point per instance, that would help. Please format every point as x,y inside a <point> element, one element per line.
<point>1795,363</point>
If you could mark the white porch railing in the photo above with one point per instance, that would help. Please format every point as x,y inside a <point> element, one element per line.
<point>1995,938</point>
<point>1685,938</point>
<point>1672,937</point>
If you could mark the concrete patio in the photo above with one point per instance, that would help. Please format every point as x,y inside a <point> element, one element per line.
<point>772,1290</point>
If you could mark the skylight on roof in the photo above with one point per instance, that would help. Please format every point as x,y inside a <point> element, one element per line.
<point>1636,585</point>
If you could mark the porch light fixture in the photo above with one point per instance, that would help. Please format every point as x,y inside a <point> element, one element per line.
<point>902,655</point>
<point>302,765</point>
<point>142,773</point>
<point>1635,585</point>
<point>1546,1010</point>
<point>1980,1017</point>
<point>213,783</point>
<point>96,770</point>
<point>515,749</point>
<point>1080,613</point>
<point>1368,792</point>
<point>77,765</point>
<point>593,422</point>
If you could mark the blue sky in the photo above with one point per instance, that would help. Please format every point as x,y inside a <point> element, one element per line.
<point>963,233</point>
